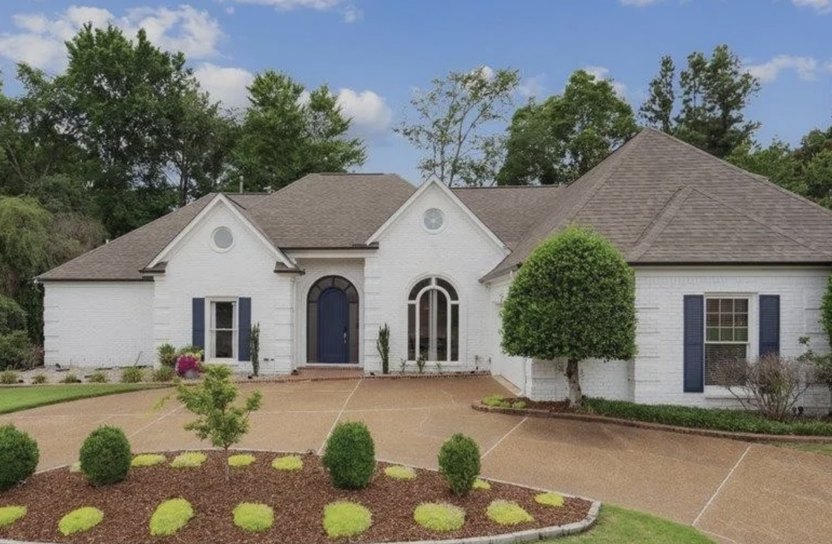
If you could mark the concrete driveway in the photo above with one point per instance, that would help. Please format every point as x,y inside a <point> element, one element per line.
<point>734,491</point>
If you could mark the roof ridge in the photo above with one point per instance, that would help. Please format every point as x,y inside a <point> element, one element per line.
<point>756,177</point>
<point>660,222</point>
<point>538,186</point>
<point>760,221</point>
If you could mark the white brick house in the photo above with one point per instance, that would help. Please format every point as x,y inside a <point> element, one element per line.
<point>725,263</point>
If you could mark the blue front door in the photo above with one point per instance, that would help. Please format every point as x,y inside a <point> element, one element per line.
<point>333,326</point>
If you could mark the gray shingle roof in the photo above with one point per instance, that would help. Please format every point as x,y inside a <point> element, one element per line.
<point>658,199</point>
<point>663,201</point>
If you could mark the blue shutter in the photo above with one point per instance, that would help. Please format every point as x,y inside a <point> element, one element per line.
<point>694,341</point>
<point>198,322</point>
<point>769,324</point>
<point>244,333</point>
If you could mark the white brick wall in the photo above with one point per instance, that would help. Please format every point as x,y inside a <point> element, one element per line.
<point>195,269</point>
<point>461,253</point>
<point>91,324</point>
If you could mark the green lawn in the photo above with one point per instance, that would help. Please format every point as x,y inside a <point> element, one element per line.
<point>13,399</point>
<point>619,526</point>
<point>822,449</point>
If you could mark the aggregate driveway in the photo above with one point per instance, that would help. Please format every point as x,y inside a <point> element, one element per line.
<point>734,491</point>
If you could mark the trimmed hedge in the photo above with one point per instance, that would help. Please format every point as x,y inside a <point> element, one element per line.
<point>350,456</point>
<point>19,456</point>
<point>105,456</point>
<point>738,421</point>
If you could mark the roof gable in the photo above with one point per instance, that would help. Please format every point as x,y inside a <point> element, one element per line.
<point>434,182</point>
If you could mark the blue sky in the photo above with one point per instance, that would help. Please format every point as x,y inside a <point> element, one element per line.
<point>374,53</point>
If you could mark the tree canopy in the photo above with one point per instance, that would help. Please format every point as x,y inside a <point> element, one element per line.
<point>706,105</point>
<point>288,132</point>
<point>562,138</point>
<point>454,125</point>
<point>573,299</point>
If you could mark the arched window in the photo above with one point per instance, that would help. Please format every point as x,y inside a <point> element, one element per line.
<point>433,321</point>
<point>332,321</point>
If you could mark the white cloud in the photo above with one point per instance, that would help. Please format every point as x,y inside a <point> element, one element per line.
<point>639,3</point>
<point>350,12</point>
<point>40,39</point>
<point>370,114</point>
<point>822,6</point>
<point>531,87</point>
<point>805,67</point>
<point>225,84</point>
<point>602,72</point>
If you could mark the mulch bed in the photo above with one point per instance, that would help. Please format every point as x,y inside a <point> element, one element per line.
<point>298,499</point>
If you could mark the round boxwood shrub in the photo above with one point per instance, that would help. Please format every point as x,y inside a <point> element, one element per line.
<point>350,456</point>
<point>459,463</point>
<point>19,456</point>
<point>105,456</point>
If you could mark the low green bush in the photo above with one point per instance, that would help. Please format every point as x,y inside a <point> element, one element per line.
<point>19,456</point>
<point>706,418</point>
<point>80,520</point>
<point>254,518</point>
<point>97,377</point>
<point>241,460</point>
<point>16,351</point>
<point>132,374</point>
<point>288,462</point>
<point>495,401</point>
<point>350,456</point>
<point>482,485</point>
<point>10,514</point>
<point>439,517</point>
<point>170,516</point>
<point>166,354</point>
<point>9,377</point>
<point>70,378</point>
<point>12,316</point>
<point>147,460</point>
<point>39,379</point>
<point>507,513</point>
<point>105,456</point>
<point>163,374</point>
<point>399,472</point>
<point>189,459</point>
<point>459,463</point>
<point>549,499</point>
<point>345,519</point>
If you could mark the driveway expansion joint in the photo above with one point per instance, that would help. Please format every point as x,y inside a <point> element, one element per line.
<point>718,489</point>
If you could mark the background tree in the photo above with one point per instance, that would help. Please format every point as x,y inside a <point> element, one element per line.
<point>288,133</point>
<point>657,110</point>
<point>454,125</point>
<point>712,95</point>
<point>573,298</point>
<point>562,138</point>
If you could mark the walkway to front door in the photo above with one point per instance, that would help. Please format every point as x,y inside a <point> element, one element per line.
<point>332,321</point>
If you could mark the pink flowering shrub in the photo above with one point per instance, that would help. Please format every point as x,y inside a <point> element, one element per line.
<point>189,365</point>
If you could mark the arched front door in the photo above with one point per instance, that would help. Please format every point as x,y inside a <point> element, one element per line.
<point>333,326</point>
<point>332,321</point>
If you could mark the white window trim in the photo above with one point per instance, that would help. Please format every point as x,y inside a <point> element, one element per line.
<point>434,286</point>
<point>210,330</point>
<point>441,227</point>
<point>719,391</point>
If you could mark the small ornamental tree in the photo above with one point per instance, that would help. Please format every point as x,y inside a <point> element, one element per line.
<point>573,299</point>
<point>218,419</point>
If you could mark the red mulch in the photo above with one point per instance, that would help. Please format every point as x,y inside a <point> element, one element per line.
<point>298,499</point>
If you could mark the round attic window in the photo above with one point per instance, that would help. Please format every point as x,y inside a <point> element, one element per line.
<point>433,220</point>
<point>223,239</point>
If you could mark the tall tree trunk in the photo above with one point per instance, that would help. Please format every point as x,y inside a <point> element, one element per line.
<point>575,395</point>
<point>227,467</point>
